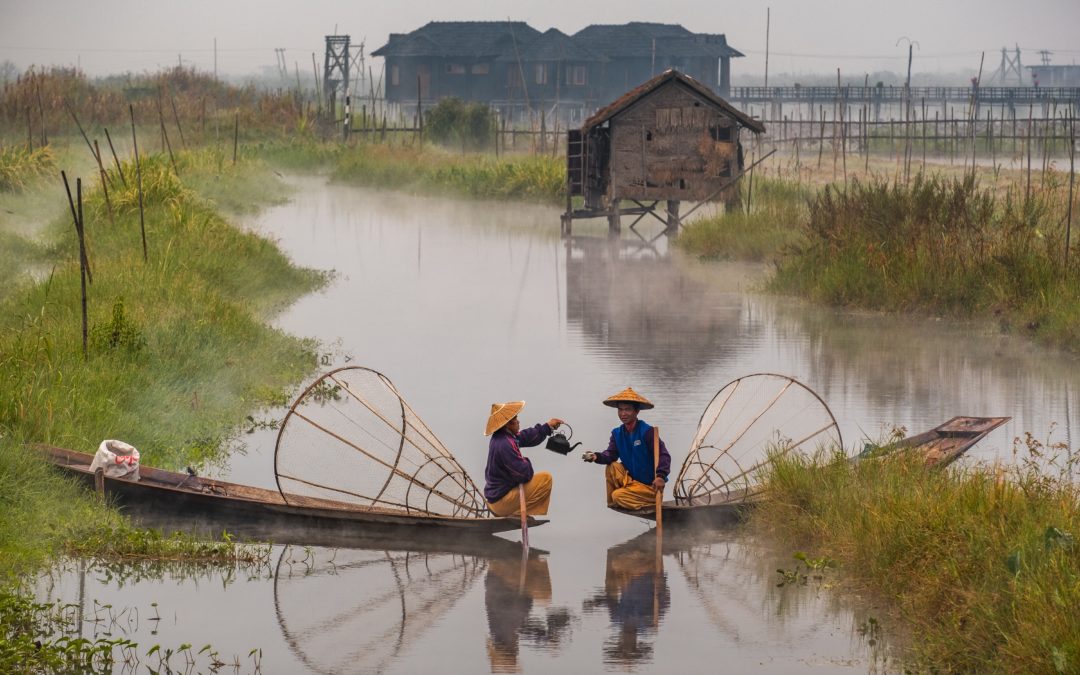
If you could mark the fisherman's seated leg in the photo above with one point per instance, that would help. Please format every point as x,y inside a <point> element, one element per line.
<point>625,492</point>
<point>537,498</point>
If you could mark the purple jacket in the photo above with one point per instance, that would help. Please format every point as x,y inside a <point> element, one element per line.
<point>506,467</point>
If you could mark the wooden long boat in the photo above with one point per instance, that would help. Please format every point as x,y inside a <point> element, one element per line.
<point>195,503</point>
<point>939,447</point>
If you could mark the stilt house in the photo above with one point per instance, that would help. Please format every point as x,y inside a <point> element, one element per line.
<point>672,138</point>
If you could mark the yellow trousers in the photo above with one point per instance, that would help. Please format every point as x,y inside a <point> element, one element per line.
<point>537,498</point>
<point>625,492</point>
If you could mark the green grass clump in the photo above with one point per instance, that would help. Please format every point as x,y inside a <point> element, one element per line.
<point>942,246</point>
<point>523,177</point>
<point>982,565</point>
<point>774,224</point>
<point>178,348</point>
<point>20,168</point>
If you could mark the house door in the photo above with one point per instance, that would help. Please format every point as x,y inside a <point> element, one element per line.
<point>423,74</point>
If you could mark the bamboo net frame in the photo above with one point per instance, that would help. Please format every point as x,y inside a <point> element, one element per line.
<point>750,422</point>
<point>351,437</point>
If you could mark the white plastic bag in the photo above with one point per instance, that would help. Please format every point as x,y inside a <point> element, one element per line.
<point>119,460</point>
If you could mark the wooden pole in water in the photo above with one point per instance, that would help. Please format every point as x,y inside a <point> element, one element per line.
<point>176,118</point>
<point>1072,183</point>
<point>138,181</point>
<point>41,112</point>
<point>76,215</point>
<point>524,517</point>
<point>75,117</point>
<point>104,182</point>
<point>116,161</point>
<point>165,135</point>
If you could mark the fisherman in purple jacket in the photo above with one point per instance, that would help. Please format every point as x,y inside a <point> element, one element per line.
<point>507,469</point>
<point>635,478</point>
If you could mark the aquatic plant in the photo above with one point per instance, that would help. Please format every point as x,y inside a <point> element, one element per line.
<point>19,167</point>
<point>524,177</point>
<point>939,245</point>
<point>980,563</point>
<point>772,226</point>
<point>174,369</point>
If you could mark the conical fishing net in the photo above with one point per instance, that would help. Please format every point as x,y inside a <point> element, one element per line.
<point>359,610</point>
<point>749,422</point>
<point>352,438</point>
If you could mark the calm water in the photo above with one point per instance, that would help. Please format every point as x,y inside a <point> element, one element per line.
<point>462,304</point>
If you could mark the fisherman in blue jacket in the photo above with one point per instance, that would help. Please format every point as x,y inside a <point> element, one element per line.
<point>635,478</point>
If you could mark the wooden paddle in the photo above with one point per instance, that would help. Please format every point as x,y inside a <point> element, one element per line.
<point>659,493</point>
<point>524,517</point>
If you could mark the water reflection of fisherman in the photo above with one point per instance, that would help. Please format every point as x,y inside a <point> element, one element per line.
<point>507,468</point>
<point>512,585</point>
<point>635,478</point>
<point>636,596</point>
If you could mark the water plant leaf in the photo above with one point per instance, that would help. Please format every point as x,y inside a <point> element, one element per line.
<point>1013,562</point>
<point>1061,660</point>
<point>1055,537</point>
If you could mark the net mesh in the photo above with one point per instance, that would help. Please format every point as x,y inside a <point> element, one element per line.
<point>352,438</point>
<point>749,422</point>
<point>359,610</point>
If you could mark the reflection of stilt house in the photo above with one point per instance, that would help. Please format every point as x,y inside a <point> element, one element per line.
<point>672,138</point>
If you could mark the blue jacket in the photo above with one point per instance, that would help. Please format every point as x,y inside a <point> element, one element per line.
<point>635,450</point>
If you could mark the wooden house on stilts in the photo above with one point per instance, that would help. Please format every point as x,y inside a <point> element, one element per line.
<point>671,139</point>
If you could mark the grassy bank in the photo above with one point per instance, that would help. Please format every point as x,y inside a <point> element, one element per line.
<point>773,225</point>
<point>982,566</point>
<point>429,169</point>
<point>944,246</point>
<point>178,348</point>
<point>938,244</point>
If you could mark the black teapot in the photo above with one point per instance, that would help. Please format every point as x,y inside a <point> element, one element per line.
<point>560,443</point>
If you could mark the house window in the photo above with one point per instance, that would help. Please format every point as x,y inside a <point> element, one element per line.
<point>480,69</point>
<point>576,75</point>
<point>395,75</point>
<point>541,73</point>
<point>720,134</point>
<point>455,69</point>
<point>513,77</point>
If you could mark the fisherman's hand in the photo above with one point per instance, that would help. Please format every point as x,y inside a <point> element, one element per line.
<point>659,483</point>
<point>554,423</point>
<point>588,456</point>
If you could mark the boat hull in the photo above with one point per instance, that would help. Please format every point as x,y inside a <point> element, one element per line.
<point>169,500</point>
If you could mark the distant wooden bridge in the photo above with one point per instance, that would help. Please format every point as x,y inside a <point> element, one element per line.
<point>1010,99</point>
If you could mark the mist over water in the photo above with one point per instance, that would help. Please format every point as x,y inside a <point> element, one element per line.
<point>462,304</point>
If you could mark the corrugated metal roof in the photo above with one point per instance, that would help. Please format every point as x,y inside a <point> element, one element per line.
<point>634,95</point>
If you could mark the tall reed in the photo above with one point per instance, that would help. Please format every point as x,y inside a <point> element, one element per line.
<point>981,565</point>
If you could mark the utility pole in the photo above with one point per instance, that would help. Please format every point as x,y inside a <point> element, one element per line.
<point>767,11</point>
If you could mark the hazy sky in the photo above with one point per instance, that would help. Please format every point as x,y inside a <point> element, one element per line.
<point>110,36</point>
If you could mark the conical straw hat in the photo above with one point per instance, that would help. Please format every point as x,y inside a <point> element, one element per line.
<point>501,413</point>
<point>628,395</point>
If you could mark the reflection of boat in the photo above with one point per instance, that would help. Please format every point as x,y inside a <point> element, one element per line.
<point>360,610</point>
<point>939,446</point>
<point>301,519</point>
